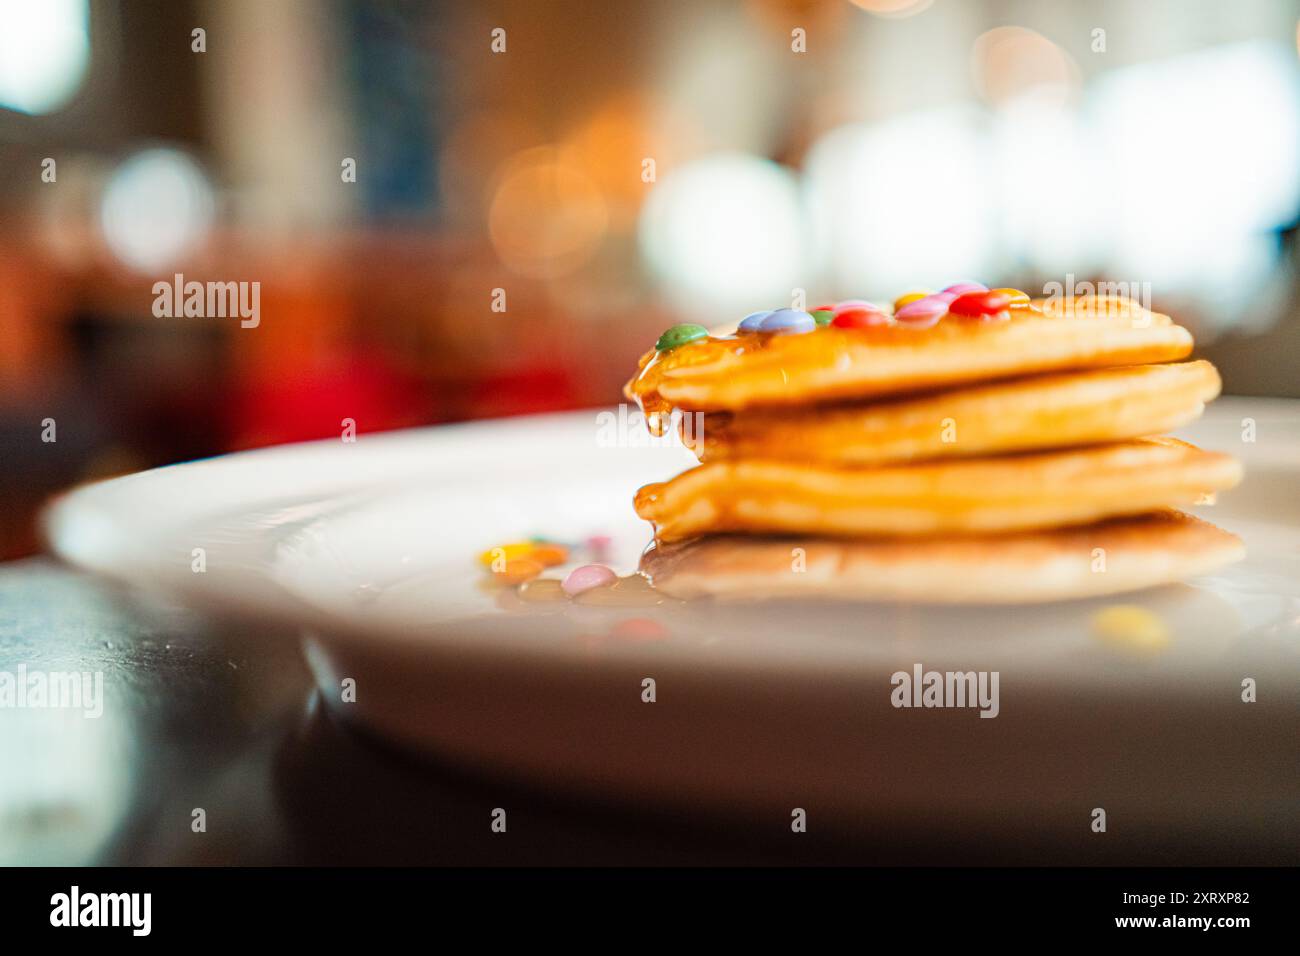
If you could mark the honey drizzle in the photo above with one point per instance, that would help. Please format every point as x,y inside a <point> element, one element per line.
<point>645,387</point>
<point>630,590</point>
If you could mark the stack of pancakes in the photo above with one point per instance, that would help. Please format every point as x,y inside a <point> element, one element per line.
<point>991,462</point>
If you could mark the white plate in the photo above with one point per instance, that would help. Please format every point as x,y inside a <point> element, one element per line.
<point>369,549</point>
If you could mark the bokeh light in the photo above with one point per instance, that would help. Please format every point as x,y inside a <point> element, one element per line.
<point>1007,62</point>
<point>547,216</point>
<point>904,202</point>
<point>157,207</point>
<point>44,52</point>
<point>726,231</point>
<point>1044,153</point>
<point>610,147</point>
<point>1183,212</point>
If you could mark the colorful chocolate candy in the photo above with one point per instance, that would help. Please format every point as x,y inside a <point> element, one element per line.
<point>783,320</point>
<point>909,298</point>
<point>917,309</point>
<point>587,577</point>
<point>680,335</point>
<point>979,305</point>
<point>521,564</point>
<point>923,313</point>
<point>545,553</point>
<point>860,318</point>
<point>793,321</point>
<point>521,561</point>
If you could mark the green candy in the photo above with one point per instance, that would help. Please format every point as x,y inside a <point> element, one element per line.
<point>822,316</point>
<point>679,335</point>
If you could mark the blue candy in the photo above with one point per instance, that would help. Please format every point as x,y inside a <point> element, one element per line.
<point>751,322</point>
<point>787,320</point>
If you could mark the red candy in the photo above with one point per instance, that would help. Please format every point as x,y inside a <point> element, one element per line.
<point>979,305</point>
<point>859,318</point>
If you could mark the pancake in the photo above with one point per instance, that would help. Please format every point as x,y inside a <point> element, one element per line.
<point>834,364</point>
<point>960,496</point>
<point>1048,411</point>
<point>1138,552</point>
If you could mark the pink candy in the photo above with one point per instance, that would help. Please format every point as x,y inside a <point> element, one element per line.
<point>927,311</point>
<point>924,312</point>
<point>586,578</point>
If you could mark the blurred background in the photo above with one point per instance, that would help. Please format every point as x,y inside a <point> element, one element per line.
<point>459,210</point>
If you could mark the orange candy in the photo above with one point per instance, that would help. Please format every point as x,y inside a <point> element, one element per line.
<point>504,552</point>
<point>543,552</point>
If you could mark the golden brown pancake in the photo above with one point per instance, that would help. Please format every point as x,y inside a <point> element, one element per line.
<point>832,364</point>
<point>1046,411</point>
<point>1123,554</point>
<point>960,496</point>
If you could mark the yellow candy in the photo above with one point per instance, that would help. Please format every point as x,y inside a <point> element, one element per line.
<point>1017,297</point>
<point>505,552</point>
<point>1130,628</point>
<point>911,297</point>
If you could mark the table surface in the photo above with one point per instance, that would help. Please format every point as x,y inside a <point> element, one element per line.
<point>199,716</point>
